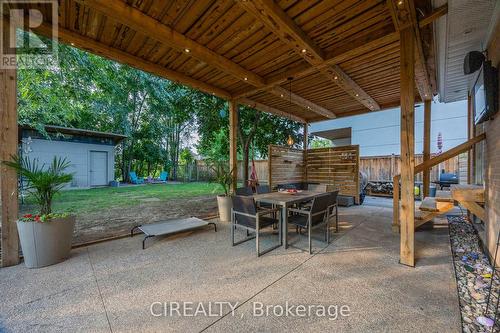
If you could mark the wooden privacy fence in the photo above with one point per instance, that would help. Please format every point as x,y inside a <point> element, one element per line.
<point>203,172</point>
<point>337,166</point>
<point>377,168</point>
<point>384,168</point>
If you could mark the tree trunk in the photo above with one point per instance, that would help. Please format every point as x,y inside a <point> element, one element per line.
<point>246,153</point>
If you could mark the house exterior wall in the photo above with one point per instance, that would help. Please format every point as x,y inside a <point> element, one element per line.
<point>491,160</point>
<point>78,154</point>
<point>378,133</point>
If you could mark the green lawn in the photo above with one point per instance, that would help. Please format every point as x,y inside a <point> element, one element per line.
<point>88,200</point>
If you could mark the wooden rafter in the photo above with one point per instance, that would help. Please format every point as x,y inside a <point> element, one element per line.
<point>433,16</point>
<point>269,109</point>
<point>93,46</point>
<point>333,58</point>
<point>145,24</point>
<point>296,99</point>
<point>404,15</point>
<point>271,14</point>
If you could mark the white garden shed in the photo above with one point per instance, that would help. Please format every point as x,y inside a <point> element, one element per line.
<point>91,153</point>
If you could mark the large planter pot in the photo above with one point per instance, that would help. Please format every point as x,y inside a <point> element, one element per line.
<point>225,204</point>
<point>46,243</point>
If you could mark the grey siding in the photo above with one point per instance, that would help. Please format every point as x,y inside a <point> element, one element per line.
<point>78,154</point>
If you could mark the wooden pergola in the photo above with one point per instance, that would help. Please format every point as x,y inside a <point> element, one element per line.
<point>306,60</point>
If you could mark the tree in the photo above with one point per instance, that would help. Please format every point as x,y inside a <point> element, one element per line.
<point>186,156</point>
<point>90,92</point>
<point>320,143</point>
<point>158,116</point>
<point>256,130</point>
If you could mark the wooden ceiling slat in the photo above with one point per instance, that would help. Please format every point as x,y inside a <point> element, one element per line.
<point>269,109</point>
<point>404,14</point>
<point>357,38</point>
<point>145,24</point>
<point>285,28</point>
<point>209,19</point>
<point>190,15</point>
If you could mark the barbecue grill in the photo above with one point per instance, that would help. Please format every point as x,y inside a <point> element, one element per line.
<point>446,180</point>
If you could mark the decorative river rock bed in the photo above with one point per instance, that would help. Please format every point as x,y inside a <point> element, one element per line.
<point>473,272</point>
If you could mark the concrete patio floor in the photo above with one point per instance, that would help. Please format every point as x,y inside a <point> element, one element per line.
<point>109,287</point>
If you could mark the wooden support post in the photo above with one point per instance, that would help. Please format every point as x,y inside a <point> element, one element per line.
<point>407,216</point>
<point>233,143</point>
<point>427,146</point>
<point>470,134</point>
<point>8,177</point>
<point>306,145</point>
<point>306,133</point>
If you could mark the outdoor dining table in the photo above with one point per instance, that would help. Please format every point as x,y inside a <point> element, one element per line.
<point>285,200</point>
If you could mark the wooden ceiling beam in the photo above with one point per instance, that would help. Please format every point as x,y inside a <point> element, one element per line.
<point>333,58</point>
<point>296,99</point>
<point>404,15</point>
<point>269,109</point>
<point>137,20</point>
<point>273,16</point>
<point>337,75</point>
<point>433,16</point>
<point>145,24</point>
<point>95,47</point>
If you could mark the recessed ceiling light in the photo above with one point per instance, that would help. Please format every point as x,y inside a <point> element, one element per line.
<point>357,95</point>
<point>72,44</point>
<point>335,77</point>
<point>281,95</point>
<point>187,50</point>
<point>304,50</point>
<point>246,79</point>
<point>400,2</point>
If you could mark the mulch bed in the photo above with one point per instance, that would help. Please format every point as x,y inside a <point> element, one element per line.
<point>473,273</point>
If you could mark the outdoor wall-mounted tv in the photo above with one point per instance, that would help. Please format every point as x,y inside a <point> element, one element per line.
<point>485,93</point>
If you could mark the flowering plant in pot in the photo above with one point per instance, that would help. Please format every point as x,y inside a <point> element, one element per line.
<point>45,236</point>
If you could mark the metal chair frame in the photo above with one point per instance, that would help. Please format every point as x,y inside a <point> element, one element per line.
<point>256,229</point>
<point>310,227</point>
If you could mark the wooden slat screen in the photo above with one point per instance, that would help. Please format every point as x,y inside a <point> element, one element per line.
<point>332,166</point>
<point>286,165</point>
<point>338,166</point>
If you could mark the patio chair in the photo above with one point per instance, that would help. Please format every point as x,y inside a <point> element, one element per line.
<point>244,191</point>
<point>316,187</point>
<point>261,189</point>
<point>163,177</point>
<point>333,209</point>
<point>245,214</point>
<point>312,218</point>
<point>134,179</point>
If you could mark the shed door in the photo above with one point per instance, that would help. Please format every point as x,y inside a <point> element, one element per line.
<point>98,168</point>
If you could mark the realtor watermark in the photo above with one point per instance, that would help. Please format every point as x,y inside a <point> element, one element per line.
<point>192,309</point>
<point>20,47</point>
<point>259,309</point>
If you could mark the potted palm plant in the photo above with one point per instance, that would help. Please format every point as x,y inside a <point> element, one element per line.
<point>223,176</point>
<point>218,160</point>
<point>45,236</point>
